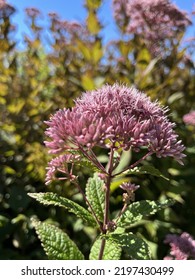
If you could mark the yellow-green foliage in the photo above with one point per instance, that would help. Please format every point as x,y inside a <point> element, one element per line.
<point>38,80</point>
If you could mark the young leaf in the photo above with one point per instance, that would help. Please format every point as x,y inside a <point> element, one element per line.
<point>71,206</point>
<point>137,210</point>
<point>93,4</point>
<point>112,250</point>
<point>95,195</point>
<point>147,169</point>
<point>56,243</point>
<point>93,23</point>
<point>135,247</point>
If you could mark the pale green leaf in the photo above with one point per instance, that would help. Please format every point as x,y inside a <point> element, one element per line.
<point>137,210</point>
<point>56,243</point>
<point>93,23</point>
<point>93,4</point>
<point>146,169</point>
<point>135,247</point>
<point>95,195</point>
<point>71,206</point>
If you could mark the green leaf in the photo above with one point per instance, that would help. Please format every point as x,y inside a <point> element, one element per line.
<point>92,23</point>
<point>117,182</point>
<point>137,210</point>
<point>124,161</point>
<point>175,97</point>
<point>135,247</point>
<point>97,52</point>
<point>112,250</point>
<point>56,243</point>
<point>93,4</point>
<point>87,82</point>
<point>95,195</point>
<point>71,206</point>
<point>147,169</point>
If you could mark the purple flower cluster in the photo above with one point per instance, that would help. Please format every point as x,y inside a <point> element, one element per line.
<point>154,20</point>
<point>189,118</point>
<point>113,117</point>
<point>32,12</point>
<point>182,247</point>
<point>66,28</point>
<point>130,191</point>
<point>6,9</point>
<point>60,164</point>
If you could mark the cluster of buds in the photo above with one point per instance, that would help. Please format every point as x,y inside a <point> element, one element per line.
<point>130,189</point>
<point>113,117</point>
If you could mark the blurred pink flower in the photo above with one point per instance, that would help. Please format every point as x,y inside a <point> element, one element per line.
<point>189,118</point>
<point>32,12</point>
<point>182,247</point>
<point>154,20</point>
<point>6,9</point>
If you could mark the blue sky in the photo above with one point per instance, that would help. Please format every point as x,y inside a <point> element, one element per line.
<point>74,10</point>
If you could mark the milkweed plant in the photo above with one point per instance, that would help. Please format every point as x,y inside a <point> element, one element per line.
<point>116,119</point>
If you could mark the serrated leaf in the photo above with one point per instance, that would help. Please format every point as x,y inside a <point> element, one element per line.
<point>137,210</point>
<point>146,169</point>
<point>56,243</point>
<point>135,247</point>
<point>71,206</point>
<point>95,195</point>
<point>112,250</point>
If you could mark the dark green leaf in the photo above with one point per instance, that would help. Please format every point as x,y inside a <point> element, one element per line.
<point>137,210</point>
<point>71,206</point>
<point>147,169</point>
<point>56,243</point>
<point>135,247</point>
<point>95,195</point>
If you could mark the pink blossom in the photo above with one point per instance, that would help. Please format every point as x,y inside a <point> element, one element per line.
<point>60,164</point>
<point>6,10</point>
<point>114,117</point>
<point>130,191</point>
<point>32,12</point>
<point>182,247</point>
<point>154,20</point>
<point>129,187</point>
<point>189,118</point>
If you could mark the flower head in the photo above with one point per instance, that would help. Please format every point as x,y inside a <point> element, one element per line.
<point>189,118</point>
<point>32,12</point>
<point>6,10</point>
<point>154,20</point>
<point>130,191</point>
<point>60,164</point>
<point>182,247</point>
<point>114,117</point>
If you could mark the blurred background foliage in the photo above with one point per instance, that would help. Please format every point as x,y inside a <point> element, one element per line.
<point>48,74</point>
